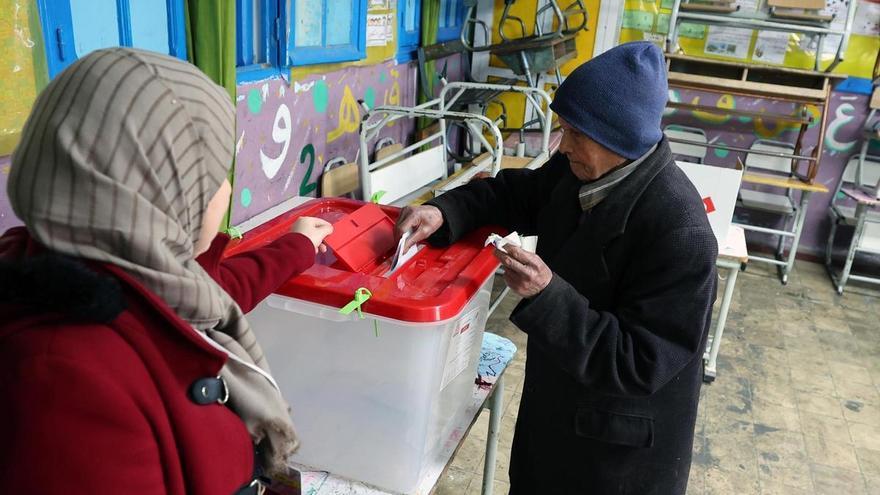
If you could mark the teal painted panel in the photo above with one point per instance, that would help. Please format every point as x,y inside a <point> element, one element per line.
<point>339,22</point>
<point>95,25</point>
<point>444,13</point>
<point>409,22</point>
<point>149,25</point>
<point>307,19</point>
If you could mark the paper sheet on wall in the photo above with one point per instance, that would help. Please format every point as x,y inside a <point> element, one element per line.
<point>867,21</point>
<point>389,28</point>
<point>377,29</point>
<point>654,38</point>
<point>770,47</point>
<point>747,5</point>
<point>728,41</point>
<point>837,8</point>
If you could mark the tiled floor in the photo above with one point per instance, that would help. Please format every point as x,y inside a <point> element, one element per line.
<point>795,408</point>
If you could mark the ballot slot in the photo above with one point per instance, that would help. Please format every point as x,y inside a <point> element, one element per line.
<point>363,241</point>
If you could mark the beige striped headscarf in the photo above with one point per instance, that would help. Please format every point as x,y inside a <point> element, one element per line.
<point>117,163</point>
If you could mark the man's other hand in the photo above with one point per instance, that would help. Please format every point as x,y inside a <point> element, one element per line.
<point>422,221</point>
<point>525,272</point>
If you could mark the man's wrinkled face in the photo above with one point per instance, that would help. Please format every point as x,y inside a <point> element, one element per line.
<point>588,159</point>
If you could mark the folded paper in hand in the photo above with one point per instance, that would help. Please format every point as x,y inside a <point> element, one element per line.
<point>499,242</point>
<point>527,243</point>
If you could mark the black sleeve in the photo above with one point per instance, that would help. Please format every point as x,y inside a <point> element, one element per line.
<point>511,200</point>
<point>650,337</point>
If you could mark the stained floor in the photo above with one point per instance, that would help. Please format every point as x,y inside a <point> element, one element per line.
<point>795,408</point>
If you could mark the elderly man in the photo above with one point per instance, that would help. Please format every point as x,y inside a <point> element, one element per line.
<point>618,299</point>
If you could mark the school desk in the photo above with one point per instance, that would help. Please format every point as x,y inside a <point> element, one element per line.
<point>731,257</point>
<point>784,262</point>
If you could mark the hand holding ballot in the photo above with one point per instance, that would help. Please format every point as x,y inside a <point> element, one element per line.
<point>524,272</point>
<point>315,229</point>
<point>421,221</point>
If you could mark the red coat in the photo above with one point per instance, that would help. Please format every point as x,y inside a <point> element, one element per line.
<point>104,408</point>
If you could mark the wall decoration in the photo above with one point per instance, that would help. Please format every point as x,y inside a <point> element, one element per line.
<point>286,133</point>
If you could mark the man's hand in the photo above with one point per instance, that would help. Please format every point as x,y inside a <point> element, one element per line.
<point>421,220</point>
<point>315,229</point>
<point>525,272</point>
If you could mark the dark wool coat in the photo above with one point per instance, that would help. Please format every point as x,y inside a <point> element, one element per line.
<point>615,342</point>
<point>96,373</point>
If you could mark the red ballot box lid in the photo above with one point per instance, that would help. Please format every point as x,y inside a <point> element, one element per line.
<point>434,285</point>
<point>361,237</point>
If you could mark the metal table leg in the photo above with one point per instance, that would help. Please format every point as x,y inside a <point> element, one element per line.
<point>710,367</point>
<point>861,214</point>
<point>496,404</point>
<point>798,229</point>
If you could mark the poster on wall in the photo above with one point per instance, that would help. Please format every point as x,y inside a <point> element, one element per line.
<point>867,21</point>
<point>728,42</point>
<point>389,29</point>
<point>747,5</point>
<point>378,26</point>
<point>770,47</point>
<point>762,47</point>
<point>837,9</point>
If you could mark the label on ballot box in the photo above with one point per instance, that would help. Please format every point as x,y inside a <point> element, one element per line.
<point>718,187</point>
<point>464,338</point>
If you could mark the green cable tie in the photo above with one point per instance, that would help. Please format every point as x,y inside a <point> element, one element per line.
<point>377,196</point>
<point>234,232</point>
<point>361,296</point>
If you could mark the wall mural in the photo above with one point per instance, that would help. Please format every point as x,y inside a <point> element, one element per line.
<point>846,116</point>
<point>286,132</point>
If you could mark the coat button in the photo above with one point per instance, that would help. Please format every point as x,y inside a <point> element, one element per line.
<point>209,390</point>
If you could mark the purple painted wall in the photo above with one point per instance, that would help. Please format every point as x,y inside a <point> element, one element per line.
<point>286,129</point>
<point>286,132</point>
<point>846,116</point>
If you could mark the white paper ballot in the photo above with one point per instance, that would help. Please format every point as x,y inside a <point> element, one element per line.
<point>527,243</point>
<point>499,242</point>
<point>400,258</point>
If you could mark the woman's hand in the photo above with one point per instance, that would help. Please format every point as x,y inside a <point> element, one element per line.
<point>315,229</point>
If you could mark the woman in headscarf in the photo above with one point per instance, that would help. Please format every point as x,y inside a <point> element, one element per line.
<point>126,364</point>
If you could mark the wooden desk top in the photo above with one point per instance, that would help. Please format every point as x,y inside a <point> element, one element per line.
<point>429,195</point>
<point>735,247</point>
<point>756,66</point>
<point>787,182</point>
<point>483,160</point>
<point>860,196</point>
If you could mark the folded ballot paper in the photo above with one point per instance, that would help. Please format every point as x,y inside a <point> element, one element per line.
<point>527,243</point>
<point>400,258</point>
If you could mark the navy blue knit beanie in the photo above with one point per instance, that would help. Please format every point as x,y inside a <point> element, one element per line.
<point>617,98</point>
